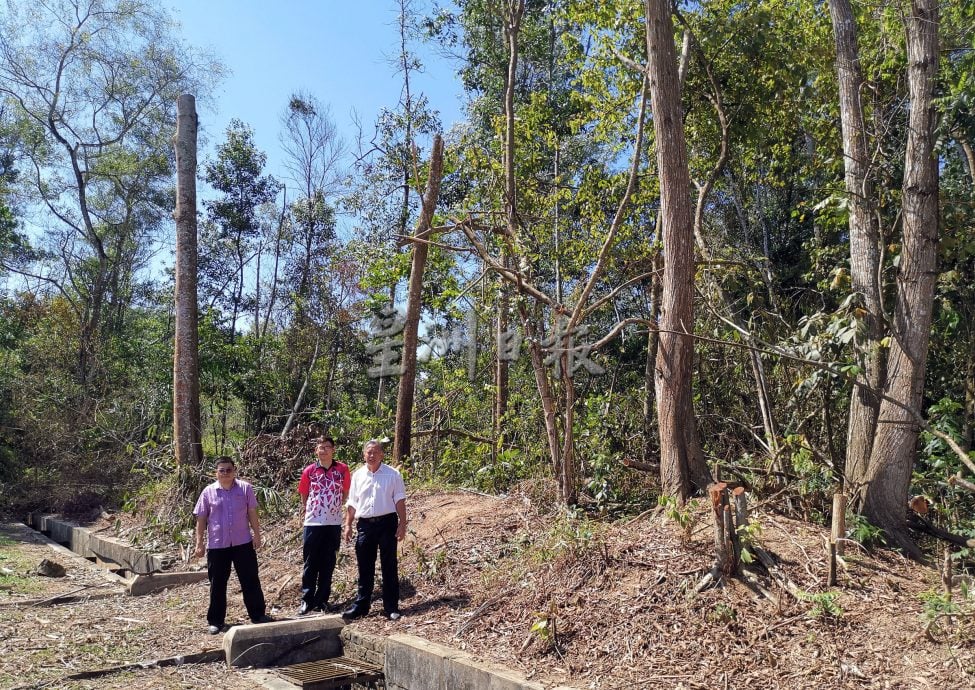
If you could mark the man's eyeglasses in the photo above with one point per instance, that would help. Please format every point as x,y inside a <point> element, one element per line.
<point>225,470</point>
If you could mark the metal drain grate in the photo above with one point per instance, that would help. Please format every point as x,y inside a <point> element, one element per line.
<point>332,673</point>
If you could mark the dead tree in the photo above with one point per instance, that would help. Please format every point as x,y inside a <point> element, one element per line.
<point>186,358</point>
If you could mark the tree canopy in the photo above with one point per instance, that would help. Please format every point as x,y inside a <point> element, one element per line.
<point>708,240</point>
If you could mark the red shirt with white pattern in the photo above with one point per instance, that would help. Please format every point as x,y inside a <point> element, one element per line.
<point>324,489</point>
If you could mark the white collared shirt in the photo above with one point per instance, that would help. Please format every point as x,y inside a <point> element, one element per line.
<point>376,493</point>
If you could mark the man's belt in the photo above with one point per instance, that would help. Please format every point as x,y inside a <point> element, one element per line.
<point>377,518</point>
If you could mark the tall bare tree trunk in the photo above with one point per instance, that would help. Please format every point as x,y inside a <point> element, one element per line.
<point>864,247</point>
<point>888,475</point>
<point>501,388</point>
<point>533,337</point>
<point>682,466</point>
<point>407,381</point>
<point>186,380</point>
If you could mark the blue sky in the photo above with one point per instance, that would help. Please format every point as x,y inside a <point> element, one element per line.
<point>340,52</point>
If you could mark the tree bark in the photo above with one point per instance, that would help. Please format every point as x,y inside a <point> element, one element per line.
<point>653,339</point>
<point>407,381</point>
<point>186,380</point>
<point>864,246</point>
<point>533,337</point>
<point>888,475</point>
<point>682,466</point>
<point>501,386</point>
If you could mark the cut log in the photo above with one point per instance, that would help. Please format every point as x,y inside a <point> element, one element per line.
<point>731,537</point>
<point>831,576</point>
<point>839,523</point>
<point>741,507</point>
<point>958,480</point>
<point>721,542</point>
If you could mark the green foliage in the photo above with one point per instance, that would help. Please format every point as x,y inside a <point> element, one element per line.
<point>685,516</point>
<point>543,627</point>
<point>825,605</point>
<point>748,535</point>
<point>938,604</point>
<point>433,566</point>
<point>814,478</point>
<point>949,615</point>
<point>275,502</point>
<point>862,532</point>
<point>722,614</point>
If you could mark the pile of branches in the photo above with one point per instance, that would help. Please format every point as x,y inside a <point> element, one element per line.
<point>275,462</point>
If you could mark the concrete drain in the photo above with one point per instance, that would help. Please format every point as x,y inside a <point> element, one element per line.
<point>333,673</point>
<point>117,557</point>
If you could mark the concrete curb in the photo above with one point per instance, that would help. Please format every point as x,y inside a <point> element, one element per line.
<point>66,553</point>
<point>412,662</point>
<point>146,584</point>
<point>283,643</point>
<point>111,552</point>
<point>86,543</point>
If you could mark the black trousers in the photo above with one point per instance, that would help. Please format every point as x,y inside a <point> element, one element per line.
<point>319,548</point>
<point>244,559</point>
<point>372,535</point>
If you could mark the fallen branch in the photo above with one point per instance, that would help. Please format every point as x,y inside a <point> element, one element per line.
<point>287,581</point>
<point>207,656</point>
<point>751,579</point>
<point>769,564</point>
<point>920,523</point>
<point>67,596</point>
<point>649,511</point>
<point>637,465</point>
<point>928,629</point>
<point>476,613</point>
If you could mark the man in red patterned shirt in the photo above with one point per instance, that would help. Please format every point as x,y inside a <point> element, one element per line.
<point>324,488</point>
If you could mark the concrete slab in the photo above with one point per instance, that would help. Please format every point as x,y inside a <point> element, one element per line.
<point>70,555</point>
<point>470,674</point>
<point>269,680</point>
<point>412,662</point>
<point>88,544</point>
<point>282,643</point>
<point>146,584</point>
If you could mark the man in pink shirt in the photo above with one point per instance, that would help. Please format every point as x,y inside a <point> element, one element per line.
<point>324,487</point>
<point>227,513</point>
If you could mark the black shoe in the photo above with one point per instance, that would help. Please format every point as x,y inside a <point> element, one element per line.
<point>264,619</point>
<point>325,608</point>
<point>304,608</point>
<point>353,613</point>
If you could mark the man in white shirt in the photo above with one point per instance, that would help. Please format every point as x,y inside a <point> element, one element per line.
<point>377,498</point>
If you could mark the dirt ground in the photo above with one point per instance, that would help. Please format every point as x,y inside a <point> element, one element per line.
<point>561,600</point>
